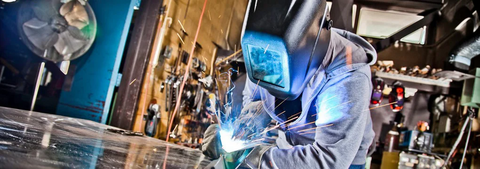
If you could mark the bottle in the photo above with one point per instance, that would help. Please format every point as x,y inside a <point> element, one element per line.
<point>391,141</point>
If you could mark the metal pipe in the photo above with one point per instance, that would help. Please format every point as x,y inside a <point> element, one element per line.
<point>37,85</point>
<point>229,57</point>
<point>214,58</point>
<point>229,26</point>
<point>158,47</point>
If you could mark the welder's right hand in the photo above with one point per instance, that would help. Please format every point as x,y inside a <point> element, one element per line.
<point>211,144</point>
<point>251,122</point>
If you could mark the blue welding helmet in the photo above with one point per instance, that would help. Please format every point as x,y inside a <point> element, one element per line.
<point>284,43</point>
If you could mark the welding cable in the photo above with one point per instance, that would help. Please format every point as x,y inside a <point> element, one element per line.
<point>185,77</point>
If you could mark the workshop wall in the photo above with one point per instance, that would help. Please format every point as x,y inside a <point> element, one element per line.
<point>214,29</point>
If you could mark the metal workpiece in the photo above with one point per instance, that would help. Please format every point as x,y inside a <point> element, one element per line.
<point>37,140</point>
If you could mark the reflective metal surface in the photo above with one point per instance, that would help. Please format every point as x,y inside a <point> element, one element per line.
<point>37,140</point>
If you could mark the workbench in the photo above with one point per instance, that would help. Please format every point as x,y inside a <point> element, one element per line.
<point>38,140</point>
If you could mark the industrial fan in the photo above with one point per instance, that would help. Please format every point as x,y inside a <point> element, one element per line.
<point>57,30</point>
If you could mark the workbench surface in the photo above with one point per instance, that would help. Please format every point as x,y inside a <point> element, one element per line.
<point>37,140</point>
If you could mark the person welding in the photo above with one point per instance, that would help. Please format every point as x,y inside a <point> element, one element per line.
<point>313,80</point>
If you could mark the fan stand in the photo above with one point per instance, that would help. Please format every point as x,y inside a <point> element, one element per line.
<point>37,83</point>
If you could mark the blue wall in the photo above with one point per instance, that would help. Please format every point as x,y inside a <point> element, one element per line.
<point>96,73</point>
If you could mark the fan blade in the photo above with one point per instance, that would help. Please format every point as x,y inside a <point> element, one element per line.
<point>44,9</point>
<point>67,44</point>
<point>75,14</point>
<point>76,33</point>
<point>67,7</point>
<point>40,34</point>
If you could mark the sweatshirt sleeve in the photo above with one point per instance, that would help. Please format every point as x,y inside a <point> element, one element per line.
<point>342,118</point>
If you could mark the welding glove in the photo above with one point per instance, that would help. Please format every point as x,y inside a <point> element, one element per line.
<point>212,147</point>
<point>211,144</point>
<point>252,121</point>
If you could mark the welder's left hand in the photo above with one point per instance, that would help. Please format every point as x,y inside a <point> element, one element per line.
<point>211,144</point>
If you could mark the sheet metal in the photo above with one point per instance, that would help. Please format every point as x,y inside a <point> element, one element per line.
<point>37,140</point>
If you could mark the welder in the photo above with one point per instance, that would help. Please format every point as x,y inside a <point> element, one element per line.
<point>301,68</point>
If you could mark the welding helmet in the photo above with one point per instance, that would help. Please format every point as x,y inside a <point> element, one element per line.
<point>284,43</point>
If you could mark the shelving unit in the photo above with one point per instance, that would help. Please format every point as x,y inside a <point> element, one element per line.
<point>442,86</point>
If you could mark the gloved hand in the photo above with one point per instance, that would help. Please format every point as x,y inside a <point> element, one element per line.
<point>212,147</point>
<point>253,120</point>
<point>211,144</point>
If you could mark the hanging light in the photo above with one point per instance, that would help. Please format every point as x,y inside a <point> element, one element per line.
<point>8,1</point>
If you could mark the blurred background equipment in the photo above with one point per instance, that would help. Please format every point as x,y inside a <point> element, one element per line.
<point>56,31</point>
<point>377,93</point>
<point>152,119</point>
<point>397,96</point>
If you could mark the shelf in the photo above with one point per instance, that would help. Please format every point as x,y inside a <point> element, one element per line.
<point>441,85</point>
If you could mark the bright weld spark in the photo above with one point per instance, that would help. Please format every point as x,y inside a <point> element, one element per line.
<point>308,132</point>
<point>280,113</point>
<point>181,25</point>
<point>132,81</point>
<point>281,103</point>
<point>228,144</point>
<point>328,125</point>
<point>301,125</point>
<point>270,129</point>
<point>180,38</point>
<point>266,50</point>
<point>294,115</point>
<point>334,107</point>
<point>283,123</point>
<point>278,125</point>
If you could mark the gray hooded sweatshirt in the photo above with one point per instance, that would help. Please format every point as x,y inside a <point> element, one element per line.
<point>334,129</point>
